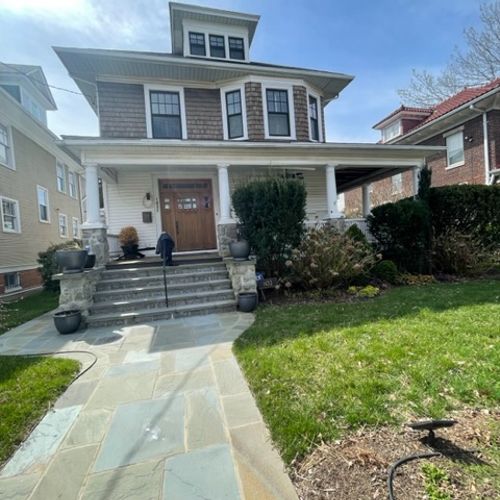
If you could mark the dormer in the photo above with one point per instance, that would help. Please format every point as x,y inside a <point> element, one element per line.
<point>400,121</point>
<point>27,85</point>
<point>208,33</point>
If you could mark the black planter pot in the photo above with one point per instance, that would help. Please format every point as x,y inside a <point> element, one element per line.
<point>90,261</point>
<point>71,260</point>
<point>130,251</point>
<point>67,321</point>
<point>247,302</point>
<point>240,250</point>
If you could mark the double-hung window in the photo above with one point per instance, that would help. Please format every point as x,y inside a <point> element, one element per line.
<point>236,48</point>
<point>72,185</point>
<point>5,147</point>
<point>455,149</point>
<point>43,204</point>
<point>313,118</point>
<point>75,226</point>
<point>397,183</point>
<point>63,226</point>
<point>197,44</point>
<point>166,115</point>
<point>61,177</point>
<point>217,46</point>
<point>278,114</point>
<point>234,114</point>
<point>11,220</point>
<point>12,282</point>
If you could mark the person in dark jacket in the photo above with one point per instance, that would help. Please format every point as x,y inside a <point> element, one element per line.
<point>165,247</point>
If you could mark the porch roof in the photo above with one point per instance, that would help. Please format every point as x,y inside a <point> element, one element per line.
<point>356,163</point>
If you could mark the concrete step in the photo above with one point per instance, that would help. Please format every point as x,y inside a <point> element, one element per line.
<point>157,280</point>
<point>157,289</point>
<point>157,270</point>
<point>145,315</point>
<point>158,301</point>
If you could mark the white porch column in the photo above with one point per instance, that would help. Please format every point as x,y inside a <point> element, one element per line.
<point>416,178</point>
<point>92,191</point>
<point>331,192</point>
<point>224,194</point>
<point>367,206</point>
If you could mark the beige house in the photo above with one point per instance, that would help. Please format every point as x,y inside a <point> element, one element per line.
<point>39,183</point>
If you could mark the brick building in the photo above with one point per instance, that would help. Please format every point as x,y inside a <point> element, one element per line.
<point>468,124</point>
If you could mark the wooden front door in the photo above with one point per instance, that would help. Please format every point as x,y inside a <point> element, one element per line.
<point>187,213</point>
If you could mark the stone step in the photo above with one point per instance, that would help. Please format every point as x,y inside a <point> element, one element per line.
<point>158,301</point>
<point>156,270</point>
<point>157,280</point>
<point>154,290</point>
<point>145,315</point>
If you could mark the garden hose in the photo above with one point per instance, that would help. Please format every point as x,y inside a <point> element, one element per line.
<point>395,465</point>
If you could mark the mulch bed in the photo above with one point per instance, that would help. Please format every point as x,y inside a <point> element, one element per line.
<point>355,467</point>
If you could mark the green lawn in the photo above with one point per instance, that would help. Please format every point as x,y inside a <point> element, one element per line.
<point>318,370</point>
<point>23,310</point>
<point>28,386</point>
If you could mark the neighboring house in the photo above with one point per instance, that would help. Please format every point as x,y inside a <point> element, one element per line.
<point>179,131</point>
<point>468,124</point>
<point>39,182</point>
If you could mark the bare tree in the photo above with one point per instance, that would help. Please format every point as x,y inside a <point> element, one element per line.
<point>479,64</point>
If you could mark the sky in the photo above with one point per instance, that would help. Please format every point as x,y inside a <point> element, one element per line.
<point>377,41</point>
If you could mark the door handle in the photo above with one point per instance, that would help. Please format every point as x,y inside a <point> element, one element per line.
<point>176,227</point>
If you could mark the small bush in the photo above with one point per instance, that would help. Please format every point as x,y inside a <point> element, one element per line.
<point>327,259</point>
<point>403,231</point>
<point>386,270</point>
<point>356,234</point>
<point>460,254</point>
<point>48,266</point>
<point>417,279</point>
<point>271,213</point>
<point>128,236</point>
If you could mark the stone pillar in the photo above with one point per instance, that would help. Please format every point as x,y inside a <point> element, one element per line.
<point>94,232</point>
<point>242,275</point>
<point>331,192</point>
<point>225,234</point>
<point>366,200</point>
<point>415,178</point>
<point>224,194</point>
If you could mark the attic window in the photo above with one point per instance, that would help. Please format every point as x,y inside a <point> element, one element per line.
<point>391,131</point>
<point>236,48</point>
<point>197,44</point>
<point>217,46</point>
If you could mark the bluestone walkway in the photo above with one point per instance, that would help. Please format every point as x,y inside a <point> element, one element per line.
<point>164,414</point>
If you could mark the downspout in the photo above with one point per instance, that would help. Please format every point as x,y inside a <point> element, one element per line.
<point>485,143</point>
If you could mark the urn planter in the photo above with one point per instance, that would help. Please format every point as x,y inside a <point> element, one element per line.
<point>247,301</point>
<point>130,251</point>
<point>71,260</point>
<point>90,261</point>
<point>240,250</point>
<point>67,321</point>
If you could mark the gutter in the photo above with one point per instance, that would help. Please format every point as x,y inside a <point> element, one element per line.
<point>485,143</point>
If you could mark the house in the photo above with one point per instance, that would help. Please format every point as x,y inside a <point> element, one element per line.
<point>468,124</point>
<point>179,130</point>
<point>39,182</point>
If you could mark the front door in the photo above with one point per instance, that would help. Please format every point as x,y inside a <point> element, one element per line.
<point>187,213</point>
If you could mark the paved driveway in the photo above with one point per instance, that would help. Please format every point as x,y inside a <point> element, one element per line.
<point>164,414</point>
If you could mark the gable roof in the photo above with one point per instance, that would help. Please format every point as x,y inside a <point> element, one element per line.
<point>401,110</point>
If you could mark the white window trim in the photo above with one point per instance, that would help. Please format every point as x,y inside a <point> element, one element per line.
<point>65,225</point>
<point>11,162</point>
<point>38,203</point>
<point>320,117</point>
<point>9,289</point>
<point>397,122</point>
<point>225,124</point>
<point>450,166</point>
<point>147,102</point>
<point>18,215</point>
<point>74,233</point>
<point>291,110</point>
<point>74,175</point>
<point>397,189</point>
<point>60,163</point>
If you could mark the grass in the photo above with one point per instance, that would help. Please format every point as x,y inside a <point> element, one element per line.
<point>28,387</point>
<point>435,480</point>
<point>22,310</point>
<point>318,370</point>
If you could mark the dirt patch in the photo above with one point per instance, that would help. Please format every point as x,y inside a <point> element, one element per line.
<point>355,467</point>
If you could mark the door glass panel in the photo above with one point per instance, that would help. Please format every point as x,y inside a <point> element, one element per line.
<point>166,203</point>
<point>207,201</point>
<point>187,203</point>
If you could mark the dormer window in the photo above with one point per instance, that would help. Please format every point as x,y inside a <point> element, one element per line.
<point>391,131</point>
<point>236,48</point>
<point>217,46</point>
<point>197,44</point>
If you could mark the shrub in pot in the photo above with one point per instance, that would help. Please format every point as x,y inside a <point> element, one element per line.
<point>247,301</point>
<point>48,265</point>
<point>129,241</point>
<point>71,259</point>
<point>67,321</point>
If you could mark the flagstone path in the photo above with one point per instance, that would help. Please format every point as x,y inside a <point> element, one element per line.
<point>164,414</point>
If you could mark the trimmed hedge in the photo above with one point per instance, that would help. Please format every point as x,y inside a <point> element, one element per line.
<point>271,214</point>
<point>469,209</point>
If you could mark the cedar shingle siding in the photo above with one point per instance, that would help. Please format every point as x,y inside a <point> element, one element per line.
<point>301,118</point>
<point>255,112</point>
<point>203,114</point>
<point>122,112</point>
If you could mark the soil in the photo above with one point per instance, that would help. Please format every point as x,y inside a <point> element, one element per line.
<point>355,467</point>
